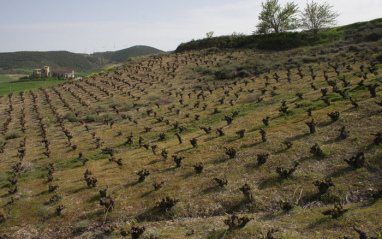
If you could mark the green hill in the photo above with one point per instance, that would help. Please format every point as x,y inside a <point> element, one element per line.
<point>58,60</point>
<point>55,59</point>
<point>122,55</point>
<point>370,31</point>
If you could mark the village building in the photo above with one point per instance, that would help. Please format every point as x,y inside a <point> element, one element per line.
<point>45,72</point>
<point>63,74</point>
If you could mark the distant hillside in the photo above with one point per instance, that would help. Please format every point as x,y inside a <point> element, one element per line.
<point>55,59</point>
<point>122,55</point>
<point>13,62</point>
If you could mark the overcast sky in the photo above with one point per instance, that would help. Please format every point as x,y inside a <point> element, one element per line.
<point>87,26</point>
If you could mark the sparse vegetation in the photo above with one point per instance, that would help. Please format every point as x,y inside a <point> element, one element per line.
<point>159,148</point>
<point>13,135</point>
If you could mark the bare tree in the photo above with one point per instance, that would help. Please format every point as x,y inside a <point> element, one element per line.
<point>210,34</point>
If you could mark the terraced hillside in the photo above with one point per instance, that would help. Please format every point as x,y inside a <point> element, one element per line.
<point>205,144</point>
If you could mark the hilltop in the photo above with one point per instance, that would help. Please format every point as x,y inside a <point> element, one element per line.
<point>355,33</point>
<point>26,60</point>
<point>122,56</point>
<point>201,143</point>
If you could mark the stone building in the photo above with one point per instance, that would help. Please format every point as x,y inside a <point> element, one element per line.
<point>44,72</point>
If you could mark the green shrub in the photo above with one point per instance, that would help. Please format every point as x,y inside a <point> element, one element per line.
<point>92,118</point>
<point>12,135</point>
<point>254,63</point>
<point>43,211</point>
<point>109,116</point>
<point>376,47</point>
<point>112,68</point>
<point>204,70</point>
<point>126,107</point>
<point>83,224</point>
<point>293,62</point>
<point>366,53</point>
<point>71,116</point>
<point>226,72</point>
<point>324,58</point>
<point>309,59</point>
<point>374,36</point>
<point>113,104</point>
<point>354,48</point>
<point>344,54</point>
<point>208,78</point>
<point>243,73</point>
<point>212,50</point>
<point>92,75</point>
<point>101,108</point>
<point>333,50</point>
<point>153,97</point>
<point>379,58</point>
